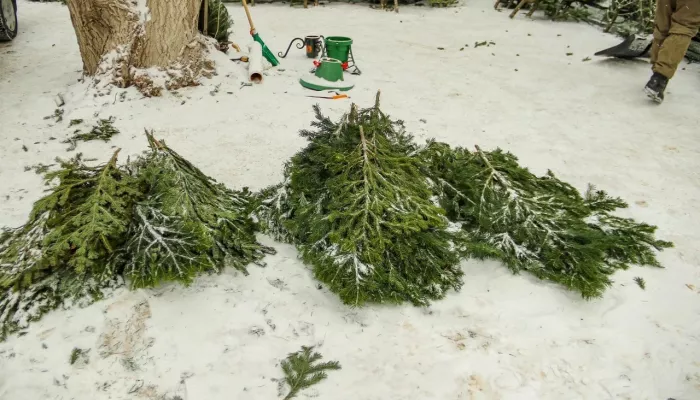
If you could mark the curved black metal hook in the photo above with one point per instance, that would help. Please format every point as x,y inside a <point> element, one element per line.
<point>300,45</point>
<point>322,49</point>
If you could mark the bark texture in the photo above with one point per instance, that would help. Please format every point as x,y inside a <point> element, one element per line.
<point>124,40</point>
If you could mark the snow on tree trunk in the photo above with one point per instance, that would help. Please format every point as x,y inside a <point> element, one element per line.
<point>150,44</point>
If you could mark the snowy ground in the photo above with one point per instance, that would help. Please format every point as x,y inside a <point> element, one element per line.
<point>501,337</point>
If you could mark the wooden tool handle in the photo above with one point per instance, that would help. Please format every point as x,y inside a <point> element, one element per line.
<point>247,13</point>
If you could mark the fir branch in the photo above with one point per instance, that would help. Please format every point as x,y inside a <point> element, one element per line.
<point>358,208</point>
<point>189,224</point>
<point>21,252</point>
<point>640,282</point>
<point>78,224</point>
<point>78,354</point>
<point>39,169</point>
<point>303,369</point>
<point>104,130</point>
<point>273,212</point>
<point>56,116</point>
<point>22,305</point>
<point>161,248</point>
<point>94,207</point>
<point>60,255</point>
<point>538,224</point>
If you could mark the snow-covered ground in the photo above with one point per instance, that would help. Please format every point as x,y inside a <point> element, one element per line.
<point>501,337</point>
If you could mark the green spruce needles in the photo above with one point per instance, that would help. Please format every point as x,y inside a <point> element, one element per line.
<point>303,369</point>
<point>60,254</point>
<point>186,224</point>
<point>153,220</point>
<point>538,224</point>
<point>380,219</point>
<point>358,208</point>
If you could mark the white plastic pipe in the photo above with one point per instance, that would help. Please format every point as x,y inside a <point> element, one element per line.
<point>255,63</point>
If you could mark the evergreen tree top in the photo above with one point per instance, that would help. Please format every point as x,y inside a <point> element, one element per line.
<point>358,207</point>
<point>92,209</point>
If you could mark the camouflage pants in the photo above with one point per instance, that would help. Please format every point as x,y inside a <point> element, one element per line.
<point>676,22</point>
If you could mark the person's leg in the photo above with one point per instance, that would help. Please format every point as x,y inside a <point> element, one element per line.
<point>662,25</point>
<point>685,22</point>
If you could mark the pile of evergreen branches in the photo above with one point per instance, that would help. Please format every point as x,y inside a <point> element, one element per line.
<point>358,208</point>
<point>568,10</point>
<point>219,21</point>
<point>624,17</point>
<point>538,224</point>
<point>627,17</point>
<point>432,3</point>
<point>377,217</point>
<point>152,220</point>
<point>693,53</point>
<point>185,224</point>
<point>381,219</point>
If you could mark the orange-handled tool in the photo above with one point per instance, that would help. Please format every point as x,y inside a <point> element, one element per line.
<point>336,96</point>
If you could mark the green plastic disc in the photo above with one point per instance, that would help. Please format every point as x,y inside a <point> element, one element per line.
<point>313,82</point>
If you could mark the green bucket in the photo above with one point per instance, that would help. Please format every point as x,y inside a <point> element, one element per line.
<point>338,47</point>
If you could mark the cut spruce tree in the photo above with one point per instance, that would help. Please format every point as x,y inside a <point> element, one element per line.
<point>538,224</point>
<point>78,225</point>
<point>364,205</point>
<point>187,223</point>
<point>356,204</point>
<point>156,219</point>
<point>219,21</point>
<point>60,254</point>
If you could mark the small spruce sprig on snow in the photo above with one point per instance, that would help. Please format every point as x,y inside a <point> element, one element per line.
<point>303,370</point>
<point>79,355</point>
<point>640,282</point>
<point>487,43</point>
<point>39,169</point>
<point>57,115</point>
<point>104,130</point>
<point>75,122</point>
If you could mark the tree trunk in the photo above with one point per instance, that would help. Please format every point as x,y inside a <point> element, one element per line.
<point>124,42</point>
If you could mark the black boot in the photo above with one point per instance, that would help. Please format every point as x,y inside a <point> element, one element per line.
<point>656,86</point>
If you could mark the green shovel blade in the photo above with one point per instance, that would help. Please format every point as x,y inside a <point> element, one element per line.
<point>266,52</point>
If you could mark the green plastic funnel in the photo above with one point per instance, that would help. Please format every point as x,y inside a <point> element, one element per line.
<point>330,70</point>
<point>328,76</point>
